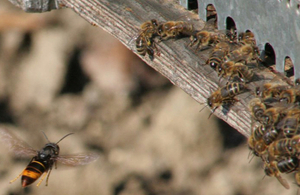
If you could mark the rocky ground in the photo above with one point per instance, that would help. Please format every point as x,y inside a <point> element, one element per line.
<point>59,74</point>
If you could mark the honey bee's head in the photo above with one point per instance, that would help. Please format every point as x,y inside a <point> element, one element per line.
<point>160,30</point>
<point>297,82</point>
<point>268,171</point>
<point>214,65</point>
<point>258,111</point>
<point>154,22</point>
<point>212,103</point>
<point>209,102</point>
<point>193,39</point>
<point>258,91</point>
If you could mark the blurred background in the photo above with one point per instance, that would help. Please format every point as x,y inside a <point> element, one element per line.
<point>59,74</point>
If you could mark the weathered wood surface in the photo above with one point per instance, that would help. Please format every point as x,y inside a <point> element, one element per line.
<point>37,5</point>
<point>181,65</point>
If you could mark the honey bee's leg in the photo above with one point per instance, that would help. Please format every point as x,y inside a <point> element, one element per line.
<point>250,156</point>
<point>17,177</point>
<point>155,47</point>
<point>44,175</point>
<point>241,76</point>
<point>150,52</point>
<point>213,110</point>
<point>220,78</point>
<point>191,43</point>
<point>230,101</point>
<point>258,59</point>
<point>297,178</point>
<point>162,38</point>
<point>198,46</point>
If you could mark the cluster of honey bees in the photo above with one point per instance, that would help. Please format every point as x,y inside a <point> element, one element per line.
<point>275,136</point>
<point>145,43</point>
<point>275,110</point>
<point>231,56</point>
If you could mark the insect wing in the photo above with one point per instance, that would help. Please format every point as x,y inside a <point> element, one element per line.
<point>210,25</point>
<point>77,159</point>
<point>15,145</point>
<point>132,40</point>
<point>191,18</point>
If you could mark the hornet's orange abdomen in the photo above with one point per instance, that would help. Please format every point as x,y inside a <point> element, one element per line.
<point>32,172</point>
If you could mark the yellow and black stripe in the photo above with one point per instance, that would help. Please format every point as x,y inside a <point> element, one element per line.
<point>33,171</point>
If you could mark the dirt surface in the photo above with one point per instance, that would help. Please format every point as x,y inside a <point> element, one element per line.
<point>59,74</point>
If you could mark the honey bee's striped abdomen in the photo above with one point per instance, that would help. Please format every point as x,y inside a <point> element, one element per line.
<point>141,46</point>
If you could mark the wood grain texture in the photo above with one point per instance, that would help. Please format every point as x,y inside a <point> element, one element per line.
<point>37,6</point>
<point>17,3</point>
<point>181,65</point>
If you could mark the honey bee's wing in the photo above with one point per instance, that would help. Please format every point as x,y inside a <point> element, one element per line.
<point>210,25</point>
<point>77,159</point>
<point>135,37</point>
<point>15,145</point>
<point>193,19</point>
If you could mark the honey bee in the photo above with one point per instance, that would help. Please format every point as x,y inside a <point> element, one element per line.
<point>273,115</point>
<point>247,38</point>
<point>203,39</point>
<point>218,54</point>
<point>289,96</point>
<point>232,34</point>
<point>284,147</point>
<point>43,160</point>
<point>255,141</point>
<point>270,90</point>
<point>235,70</point>
<point>244,53</point>
<point>174,29</point>
<point>144,41</point>
<point>257,109</point>
<point>222,67</point>
<point>259,132</point>
<point>287,165</point>
<point>290,124</point>
<point>225,95</point>
<point>260,139</point>
<point>271,134</point>
<point>257,147</point>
